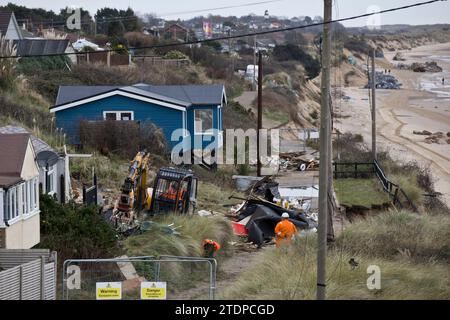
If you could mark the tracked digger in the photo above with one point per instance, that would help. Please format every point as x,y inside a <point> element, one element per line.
<point>174,190</point>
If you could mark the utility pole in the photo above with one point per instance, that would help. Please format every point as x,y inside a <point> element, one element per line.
<point>259,125</point>
<point>325,139</point>
<point>374,128</point>
<point>254,62</point>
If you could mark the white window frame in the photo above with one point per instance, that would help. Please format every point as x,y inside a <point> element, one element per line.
<point>36,193</point>
<point>207,131</point>
<point>118,114</point>
<point>51,175</point>
<point>13,213</point>
<point>28,193</point>
<point>26,200</point>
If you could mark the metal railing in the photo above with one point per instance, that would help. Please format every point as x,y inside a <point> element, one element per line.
<point>368,169</point>
<point>394,190</point>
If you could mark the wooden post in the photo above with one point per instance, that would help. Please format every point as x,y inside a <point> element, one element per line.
<point>62,188</point>
<point>259,125</point>
<point>84,194</point>
<point>374,128</point>
<point>42,278</point>
<point>325,137</point>
<point>254,62</point>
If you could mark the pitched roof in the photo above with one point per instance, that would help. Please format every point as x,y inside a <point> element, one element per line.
<point>5,18</point>
<point>38,46</point>
<point>182,95</point>
<point>38,144</point>
<point>14,147</point>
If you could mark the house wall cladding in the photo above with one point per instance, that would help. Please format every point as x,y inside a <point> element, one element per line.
<point>28,275</point>
<point>69,119</point>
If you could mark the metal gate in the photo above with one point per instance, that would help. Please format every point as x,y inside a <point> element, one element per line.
<point>183,277</point>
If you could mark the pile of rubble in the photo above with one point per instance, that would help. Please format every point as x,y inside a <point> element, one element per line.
<point>426,67</point>
<point>384,81</point>
<point>256,217</point>
<point>420,67</point>
<point>298,161</point>
<point>398,57</point>
<point>403,66</point>
<point>436,137</point>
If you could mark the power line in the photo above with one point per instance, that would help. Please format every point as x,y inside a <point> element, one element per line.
<point>264,32</point>
<point>119,18</point>
<point>219,8</point>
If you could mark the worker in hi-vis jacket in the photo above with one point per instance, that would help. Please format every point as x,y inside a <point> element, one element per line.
<point>284,230</point>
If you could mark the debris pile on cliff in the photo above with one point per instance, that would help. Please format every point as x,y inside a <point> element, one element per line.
<point>384,81</point>
<point>426,67</point>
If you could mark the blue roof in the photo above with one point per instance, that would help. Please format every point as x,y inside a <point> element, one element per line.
<point>183,95</point>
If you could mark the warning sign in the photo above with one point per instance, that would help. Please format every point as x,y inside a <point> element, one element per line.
<point>153,290</point>
<point>108,290</point>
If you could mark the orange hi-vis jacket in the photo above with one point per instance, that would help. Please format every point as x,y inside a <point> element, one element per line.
<point>211,242</point>
<point>284,231</point>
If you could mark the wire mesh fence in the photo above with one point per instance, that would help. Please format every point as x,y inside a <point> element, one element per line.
<point>134,278</point>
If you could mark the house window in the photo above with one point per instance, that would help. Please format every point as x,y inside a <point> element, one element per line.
<point>24,197</point>
<point>28,199</point>
<point>51,176</point>
<point>203,120</point>
<point>36,192</point>
<point>13,203</point>
<point>118,115</point>
<point>125,116</point>
<point>110,116</point>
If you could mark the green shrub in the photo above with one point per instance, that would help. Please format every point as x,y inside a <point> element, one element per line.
<point>393,234</point>
<point>75,231</point>
<point>294,52</point>
<point>29,66</point>
<point>174,54</point>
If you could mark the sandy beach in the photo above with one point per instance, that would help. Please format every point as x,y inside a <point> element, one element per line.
<point>423,103</point>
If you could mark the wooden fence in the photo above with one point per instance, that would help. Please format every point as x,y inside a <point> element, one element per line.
<point>157,60</point>
<point>27,274</point>
<point>105,58</point>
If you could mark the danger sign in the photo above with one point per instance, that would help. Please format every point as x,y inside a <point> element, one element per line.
<point>153,290</point>
<point>108,290</point>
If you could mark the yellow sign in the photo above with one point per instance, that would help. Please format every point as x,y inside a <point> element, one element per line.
<point>153,290</point>
<point>109,290</point>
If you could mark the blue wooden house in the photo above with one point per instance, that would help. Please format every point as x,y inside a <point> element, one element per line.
<point>195,108</point>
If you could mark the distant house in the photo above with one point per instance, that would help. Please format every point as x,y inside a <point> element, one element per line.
<point>195,108</point>
<point>9,26</point>
<point>19,192</point>
<point>176,32</point>
<point>54,177</point>
<point>26,44</point>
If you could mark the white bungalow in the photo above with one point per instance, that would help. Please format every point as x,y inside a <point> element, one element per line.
<point>19,192</point>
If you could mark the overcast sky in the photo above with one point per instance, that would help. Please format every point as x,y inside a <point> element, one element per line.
<point>429,14</point>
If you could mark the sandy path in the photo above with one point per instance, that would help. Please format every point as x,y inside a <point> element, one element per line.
<point>422,104</point>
